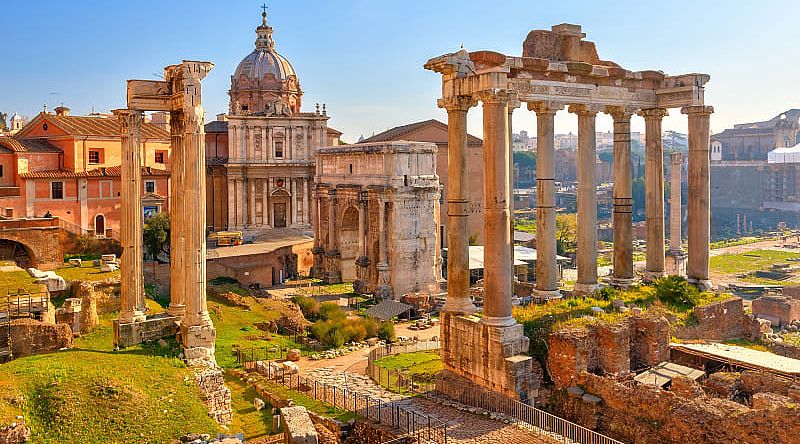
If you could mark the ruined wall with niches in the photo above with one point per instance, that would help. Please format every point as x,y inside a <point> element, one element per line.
<point>720,321</point>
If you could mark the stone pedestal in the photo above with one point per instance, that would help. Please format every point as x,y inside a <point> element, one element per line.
<point>384,290</point>
<point>491,357</point>
<point>198,342</point>
<point>161,326</point>
<point>361,284</point>
<point>676,263</point>
<point>318,268</point>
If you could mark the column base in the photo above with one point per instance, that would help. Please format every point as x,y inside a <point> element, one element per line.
<point>198,343</point>
<point>701,284</point>
<point>498,321</point>
<point>544,296</point>
<point>621,283</point>
<point>463,306</point>
<point>177,310</point>
<point>652,276</point>
<point>135,316</point>
<point>581,289</point>
<point>156,327</point>
<point>675,263</point>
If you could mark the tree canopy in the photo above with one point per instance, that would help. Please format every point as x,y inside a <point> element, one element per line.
<point>156,235</point>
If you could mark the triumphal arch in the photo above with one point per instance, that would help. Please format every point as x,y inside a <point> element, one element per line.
<point>558,69</point>
<point>179,94</point>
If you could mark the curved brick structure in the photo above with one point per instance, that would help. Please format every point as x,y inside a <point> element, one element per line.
<point>41,239</point>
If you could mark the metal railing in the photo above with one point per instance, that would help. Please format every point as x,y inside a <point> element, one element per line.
<point>422,427</point>
<point>554,427</point>
<point>400,380</point>
<point>23,304</point>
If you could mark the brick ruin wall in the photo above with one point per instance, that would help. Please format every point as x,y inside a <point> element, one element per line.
<point>644,414</point>
<point>777,308</point>
<point>720,321</point>
<point>608,349</point>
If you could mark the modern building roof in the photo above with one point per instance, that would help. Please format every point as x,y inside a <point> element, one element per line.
<point>28,145</point>
<point>743,357</point>
<point>388,309</point>
<point>398,132</point>
<point>114,171</point>
<point>91,126</point>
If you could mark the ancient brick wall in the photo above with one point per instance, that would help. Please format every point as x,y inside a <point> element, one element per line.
<point>782,309</point>
<point>43,244</point>
<point>650,336</point>
<point>216,395</point>
<point>720,321</point>
<point>614,348</point>
<point>569,353</point>
<point>368,433</point>
<point>644,414</point>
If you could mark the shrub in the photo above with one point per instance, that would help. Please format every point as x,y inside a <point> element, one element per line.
<point>607,294</point>
<point>309,307</point>
<point>330,311</point>
<point>371,326</point>
<point>386,332</point>
<point>677,292</point>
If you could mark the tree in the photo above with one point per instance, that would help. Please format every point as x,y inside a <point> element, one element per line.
<point>566,232</point>
<point>156,235</point>
<point>525,159</point>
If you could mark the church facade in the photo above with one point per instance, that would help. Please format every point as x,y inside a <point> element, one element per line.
<point>260,155</point>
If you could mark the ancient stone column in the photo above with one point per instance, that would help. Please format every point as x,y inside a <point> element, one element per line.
<point>675,258</point>
<point>698,210</point>
<point>197,331</point>
<point>513,104</point>
<point>333,272</point>
<point>654,192</point>
<point>496,213</point>
<point>251,190</point>
<point>294,200</point>
<point>318,251</point>
<point>622,275</point>
<point>231,203</point>
<point>362,261</point>
<point>546,265</point>
<point>458,300</point>
<point>132,306</point>
<point>384,290</point>
<point>177,217</point>
<point>587,201</point>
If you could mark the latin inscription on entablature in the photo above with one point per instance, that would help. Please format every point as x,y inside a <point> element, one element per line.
<point>532,90</point>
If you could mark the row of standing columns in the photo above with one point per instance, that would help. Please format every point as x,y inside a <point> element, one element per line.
<point>498,194</point>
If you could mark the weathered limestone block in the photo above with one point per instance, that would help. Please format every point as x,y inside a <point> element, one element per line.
<point>491,357</point>
<point>298,427</point>
<point>293,355</point>
<point>152,329</point>
<point>29,337</point>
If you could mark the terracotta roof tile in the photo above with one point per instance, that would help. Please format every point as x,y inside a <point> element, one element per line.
<point>101,126</point>
<point>115,171</point>
<point>398,132</point>
<point>28,145</point>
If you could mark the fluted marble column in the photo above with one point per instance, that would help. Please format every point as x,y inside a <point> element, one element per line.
<point>231,203</point>
<point>496,212</point>
<point>177,217</point>
<point>546,265</point>
<point>698,209</point>
<point>654,192</point>
<point>622,274</point>
<point>458,300</point>
<point>513,104</point>
<point>132,305</point>
<point>586,283</point>
<point>675,219</point>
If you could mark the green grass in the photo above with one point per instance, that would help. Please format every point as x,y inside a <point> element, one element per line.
<point>748,344</point>
<point>12,281</point>
<point>733,242</point>
<point>344,288</point>
<point>423,365</point>
<point>91,394</point>
<point>246,418</point>
<point>792,339</point>
<point>749,262</point>
<point>304,400</point>
<point>86,272</point>
<point>526,225</point>
<point>236,326</point>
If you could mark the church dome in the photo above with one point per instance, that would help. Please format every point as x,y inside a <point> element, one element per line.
<point>263,62</point>
<point>263,78</point>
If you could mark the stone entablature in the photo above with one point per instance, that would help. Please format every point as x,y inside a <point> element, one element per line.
<point>378,207</point>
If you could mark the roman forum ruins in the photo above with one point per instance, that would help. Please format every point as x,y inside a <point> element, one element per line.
<point>558,68</point>
<point>180,94</point>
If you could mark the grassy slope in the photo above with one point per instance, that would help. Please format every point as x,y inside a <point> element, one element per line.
<point>11,281</point>
<point>419,364</point>
<point>91,394</point>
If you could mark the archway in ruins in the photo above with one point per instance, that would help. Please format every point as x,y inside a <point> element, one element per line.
<point>17,252</point>
<point>348,243</point>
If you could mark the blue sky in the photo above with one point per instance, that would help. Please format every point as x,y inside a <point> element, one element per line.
<point>364,58</point>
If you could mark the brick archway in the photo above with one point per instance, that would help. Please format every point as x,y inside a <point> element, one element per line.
<point>41,243</point>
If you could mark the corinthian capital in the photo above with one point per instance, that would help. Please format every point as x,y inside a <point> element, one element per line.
<point>701,110</point>
<point>129,119</point>
<point>457,103</point>
<point>496,96</point>
<point>620,113</point>
<point>584,110</point>
<point>654,113</point>
<point>545,107</point>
